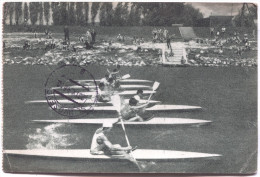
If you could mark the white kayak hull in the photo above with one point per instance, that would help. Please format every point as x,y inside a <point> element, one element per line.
<point>86,101</point>
<point>153,108</point>
<point>124,87</point>
<point>121,81</point>
<point>123,93</point>
<point>153,121</point>
<point>139,154</point>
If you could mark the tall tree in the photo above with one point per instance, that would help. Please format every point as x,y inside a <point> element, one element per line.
<point>79,13</point>
<point>72,18</point>
<point>11,12</point>
<point>190,15</point>
<point>106,14</point>
<point>125,13</point>
<point>94,11</point>
<point>86,8</point>
<point>64,13</point>
<point>40,7</point>
<point>18,12</point>
<point>26,15</point>
<point>34,11</point>
<point>46,12</point>
<point>56,16</point>
<point>6,11</point>
<point>134,18</point>
<point>118,20</point>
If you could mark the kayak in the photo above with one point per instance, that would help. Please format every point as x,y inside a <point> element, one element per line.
<point>121,81</point>
<point>153,108</point>
<point>153,121</point>
<point>88,101</point>
<point>123,93</point>
<point>139,154</point>
<point>124,87</point>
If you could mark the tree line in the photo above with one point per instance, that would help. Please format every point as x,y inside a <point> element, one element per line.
<point>84,13</point>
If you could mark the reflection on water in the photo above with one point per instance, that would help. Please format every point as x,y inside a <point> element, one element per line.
<point>50,137</point>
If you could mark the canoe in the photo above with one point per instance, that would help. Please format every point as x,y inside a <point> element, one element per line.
<point>124,87</point>
<point>154,121</point>
<point>122,81</point>
<point>139,154</point>
<point>123,93</point>
<point>153,108</point>
<point>88,101</point>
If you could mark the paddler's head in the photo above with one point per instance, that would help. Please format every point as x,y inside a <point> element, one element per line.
<point>107,126</point>
<point>140,92</point>
<point>107,76</point>
<point>101,86</point>
<point>133,101</point>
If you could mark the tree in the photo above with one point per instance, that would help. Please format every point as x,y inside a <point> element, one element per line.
<point>11,11</point>
<point>18,11</point>
<point>106,14</point>
<point>26,15</point>
<point>34,11</point>
<point>40,13</point>
<point>134,17</point>
<point>46,6</point>
<point>56,16</point>
<point>79,13</point>
<point>86,7</point>
<point>118,15</point>
<point>94,11</point>
<point>6,11</point>
<point>71,15</point>
<point>191,15</point>
<point>246,16</point>
<point>64,13</point>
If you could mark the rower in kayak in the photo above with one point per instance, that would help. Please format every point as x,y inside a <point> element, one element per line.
<point>103,95</point>
<point>102,146</point>
<point>131,111</point>
<point>105,80</point>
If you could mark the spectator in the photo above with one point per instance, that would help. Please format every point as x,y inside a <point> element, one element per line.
<point>223,31</point>
<point>66,33</point>
<point>93,36</point>
<point>212,32</point>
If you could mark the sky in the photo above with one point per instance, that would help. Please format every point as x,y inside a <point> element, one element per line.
<point>218,8</point>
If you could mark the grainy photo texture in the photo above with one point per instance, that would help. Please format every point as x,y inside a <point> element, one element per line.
<point>129,87</point>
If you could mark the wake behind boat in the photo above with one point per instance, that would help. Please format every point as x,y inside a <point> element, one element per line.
<point>139,154</point>
<point>153,121</point>
<point>153,108</point>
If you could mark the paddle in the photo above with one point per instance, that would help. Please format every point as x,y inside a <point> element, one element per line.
<point>117,103</point>
<point>155,86</point>
<point>125,77</point>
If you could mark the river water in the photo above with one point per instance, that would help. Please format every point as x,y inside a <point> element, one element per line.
<point>228,96</point>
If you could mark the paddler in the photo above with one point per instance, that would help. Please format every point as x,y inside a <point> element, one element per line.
<point>105,80</point>
<point>115,73</point>
<point>131,111</point>
<point>102,95</point>
<point>102,146</point>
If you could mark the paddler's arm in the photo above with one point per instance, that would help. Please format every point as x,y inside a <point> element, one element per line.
<point>140,106</point>
<point>110,146</point>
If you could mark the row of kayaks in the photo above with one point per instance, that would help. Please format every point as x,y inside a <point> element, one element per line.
<point>139,154</point>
